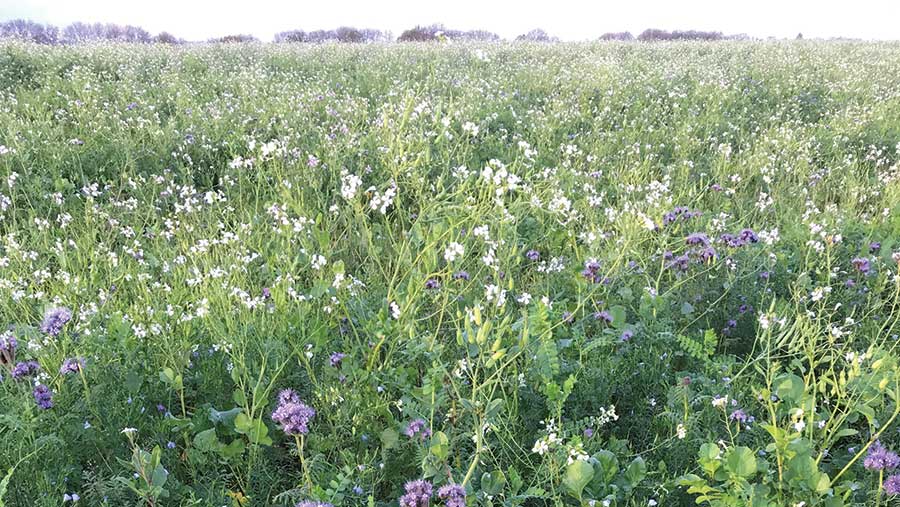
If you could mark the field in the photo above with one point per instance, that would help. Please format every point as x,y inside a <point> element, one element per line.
<point>500,275</point>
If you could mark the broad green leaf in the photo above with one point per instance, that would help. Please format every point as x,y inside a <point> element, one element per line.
<point>578,475</point>
<point>740,461</point>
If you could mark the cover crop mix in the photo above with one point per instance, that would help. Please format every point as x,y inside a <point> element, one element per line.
<point>613,274</point>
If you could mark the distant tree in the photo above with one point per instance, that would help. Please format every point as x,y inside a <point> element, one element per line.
<point>655,34</point>
<point>537,35</point>
<point>291,36</point>
<point>166,38</point>
<point>421,33</point>
<point>800,36</point>
<point>437,31</point>
<point>617,36</point>
<point>29,30</point>
<point>85,32</point>
<point>235,38</point>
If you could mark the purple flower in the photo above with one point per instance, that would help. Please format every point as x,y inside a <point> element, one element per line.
<point>55,319</point>
<point>588,432</point>
<point>312,503</point>
<point>697,238</point>
<point>879,458</point>
<point>461,275</point>
<point>418,427</point>
<point>43,396</point>
<point>266,293</point>
<point>862,265</point>
<point>25,369</point>
<point>8,346</point>
<point>591,272</point>
<point>418,494</point>
<point>170,444</point>
<point>71,365</point>
<point>532,255</point>
<point>627,335</point>
<point>453,495</point>
<point>892,485</point>
<point>432,283</point>
<point>292,414</point>
<point>336,358</point>
<point>874,247</point>
<point>604,315</point>
<point>748,235</point>
<point>739,416</point>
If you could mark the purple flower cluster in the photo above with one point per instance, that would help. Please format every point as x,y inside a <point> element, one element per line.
<point>25,369</point>
<point>292,414</point>
<point>879,458</point>
<point>745,237</point>
<point>55,319</point>
<point>312,503</point>
<point>679,213</point>
<point>862,265</point>
<point>336,358</point>
<point>892,485</point>
<point>43,396</point>
<point>533,255</point>
<point>8,346</point>
<point>432,283</point>
<point>418,494</point>
<point>591,272</point>
<point>418,427</point>
<point>603,315</point>
<point>71,365</point>
<point>453,495</point>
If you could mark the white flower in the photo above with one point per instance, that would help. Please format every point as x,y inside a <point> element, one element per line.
<point>453,251</point>
<point>318,262</point>
<point>395,310</point>
<point>128,431</point>
<point>681,431</point>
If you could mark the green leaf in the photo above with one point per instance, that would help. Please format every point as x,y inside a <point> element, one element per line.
<point>789,387</point>
<point>159,476</point>
<point>578,475</point>
<point>225,418</point>
<point>440,445</point>
<point>492,483</point>
<point>740,461</point>
<point>636,471</point>
<point>687,308</point>
<point>133,381</point>
<point>606,466</point>
<point>618,316</point>
<point>206,440</point>
<point>389,438</point>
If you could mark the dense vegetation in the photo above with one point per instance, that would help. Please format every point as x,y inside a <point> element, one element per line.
<point>453,274</point>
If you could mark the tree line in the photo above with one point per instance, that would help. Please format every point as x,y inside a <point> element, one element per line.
<point>88,32</point>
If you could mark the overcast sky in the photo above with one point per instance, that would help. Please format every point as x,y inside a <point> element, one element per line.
<point>568,19</point>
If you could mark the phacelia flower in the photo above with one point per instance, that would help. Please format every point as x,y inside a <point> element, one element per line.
<point>43,396</point>
<point>292,414</point>
<point>697,238</point>
<point>312,503</point>
<point>55,319</point>
<point>862,265</point>
<point>892,485</point>
<point>25,369</point>
<point>8,346</point>
<point>71,365</point>
<point>336,358</point>
<point>418,494</point>
<point>879,458</point>
<point>453,495</point>
<point>418,427</point>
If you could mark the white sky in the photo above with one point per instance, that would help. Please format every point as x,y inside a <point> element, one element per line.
<point>567,19</point>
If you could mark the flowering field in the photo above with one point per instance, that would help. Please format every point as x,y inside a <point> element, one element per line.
<point>454,275</point>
